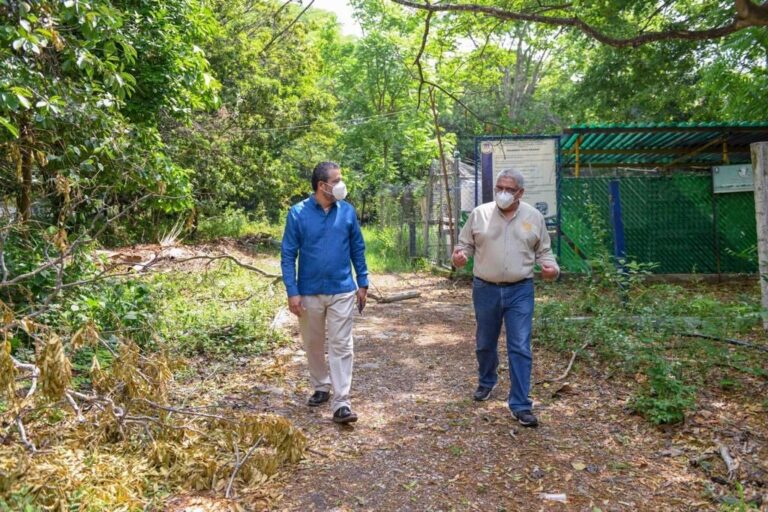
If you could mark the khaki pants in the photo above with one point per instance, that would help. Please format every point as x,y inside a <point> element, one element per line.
<point>334,314</point>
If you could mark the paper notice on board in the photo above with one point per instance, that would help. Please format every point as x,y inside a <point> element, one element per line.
<point>536,159</point>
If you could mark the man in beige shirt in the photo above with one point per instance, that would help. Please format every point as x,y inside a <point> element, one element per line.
<point>507,237</point>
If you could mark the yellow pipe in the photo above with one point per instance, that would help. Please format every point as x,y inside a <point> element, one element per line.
<point>578,155</point>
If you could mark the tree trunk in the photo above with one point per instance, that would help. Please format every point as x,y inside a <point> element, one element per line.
<point>760,166</point>
<point>444,168</point>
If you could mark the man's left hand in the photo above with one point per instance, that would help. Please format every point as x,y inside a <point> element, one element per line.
<point>362,294</point>
<point>548,272</point>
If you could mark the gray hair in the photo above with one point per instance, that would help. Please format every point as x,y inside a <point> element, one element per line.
<point>512,174</point>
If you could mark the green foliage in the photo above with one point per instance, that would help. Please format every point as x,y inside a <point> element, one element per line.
<point>388,135</point>
<point>664,398</point>
<point>738,503</point>
<point>21,501</point>
<point>386,251</point>
<point>81,140</point>
<point>275,121</point>
<point>222,312</point>
<point>235,223</point>
<point>114,306</point>
<point>641,331</point>
<point>626,320</point>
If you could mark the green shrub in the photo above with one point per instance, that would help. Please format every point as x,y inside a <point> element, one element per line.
<point>235,223</point>
<point>386,252</point>
<point>664,398</point>
<point>225,311</point>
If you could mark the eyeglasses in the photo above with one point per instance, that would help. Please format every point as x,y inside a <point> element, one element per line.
<point>512,191</point>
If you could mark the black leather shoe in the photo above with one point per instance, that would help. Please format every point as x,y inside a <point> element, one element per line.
<point>482,393</point>
<point>526,418</point>
<point>320,397</point>
<point>344,415</point>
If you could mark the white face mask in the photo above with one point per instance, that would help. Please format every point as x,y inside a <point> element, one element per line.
<point>339,191</point>
<point>504,199</point>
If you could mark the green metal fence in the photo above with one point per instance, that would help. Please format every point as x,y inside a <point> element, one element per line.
<point>674,221</point>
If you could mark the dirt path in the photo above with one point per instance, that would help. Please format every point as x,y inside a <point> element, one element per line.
<point>423,444</point>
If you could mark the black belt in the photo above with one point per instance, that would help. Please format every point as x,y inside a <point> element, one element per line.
<point>504,283</point>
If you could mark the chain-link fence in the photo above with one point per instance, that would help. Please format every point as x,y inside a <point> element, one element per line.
<point>417,220</point>
<point>450,194</point>
<point>397,214</point>
<point>673,221</point>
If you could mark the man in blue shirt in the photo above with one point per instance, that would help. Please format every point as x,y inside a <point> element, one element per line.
<point>323,232</point>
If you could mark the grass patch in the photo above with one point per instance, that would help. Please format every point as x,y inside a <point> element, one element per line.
<point>224,311</point>
<point>386,250</point>
<point>234,223</point>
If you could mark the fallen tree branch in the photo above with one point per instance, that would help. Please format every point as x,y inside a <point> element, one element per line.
<point>567,370</point>
<point>239,464</point>
<point>32,368</point>
<point>730,463</point>
<point>237,262</point>
<point>411,294</point>
<point>725,340</point>
<point>116,410</point>
<point>23,435</point>
<point>80,417</point>
<point>158,258</point>
<point>72,248</point>
<point>181,411</point>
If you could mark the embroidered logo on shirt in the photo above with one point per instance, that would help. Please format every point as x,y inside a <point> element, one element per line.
<point>527,226</point>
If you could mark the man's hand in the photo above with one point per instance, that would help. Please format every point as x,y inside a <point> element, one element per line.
<point>362,295</point>
<point>459,258</point>
<point>294,304</point>
<point>548,272</point>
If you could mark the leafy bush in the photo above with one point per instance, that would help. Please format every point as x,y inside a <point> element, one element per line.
<point>236,223</point>
<point>386,252</point>
<point>225,311</point>
<point>664,398</point>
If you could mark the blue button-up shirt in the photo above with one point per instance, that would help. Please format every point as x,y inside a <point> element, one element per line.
<point>325,244</point>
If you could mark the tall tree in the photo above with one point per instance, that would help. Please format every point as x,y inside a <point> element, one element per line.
<point>75,141</point>
<point>274,119</point>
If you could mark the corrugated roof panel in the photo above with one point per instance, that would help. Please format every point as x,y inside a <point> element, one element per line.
<point>613,144</point>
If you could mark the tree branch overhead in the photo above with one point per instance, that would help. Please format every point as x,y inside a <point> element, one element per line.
<point>747,14</point>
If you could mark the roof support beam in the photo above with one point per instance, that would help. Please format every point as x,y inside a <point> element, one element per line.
<point>695,151</point>
<point>578,156</point>
<point>644,165</point>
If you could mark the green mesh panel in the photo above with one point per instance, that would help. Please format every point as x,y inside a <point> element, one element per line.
<point>673,221</point>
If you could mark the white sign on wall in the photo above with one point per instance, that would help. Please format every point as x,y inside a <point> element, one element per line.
<point>732,178</point>
<point>535,158</point>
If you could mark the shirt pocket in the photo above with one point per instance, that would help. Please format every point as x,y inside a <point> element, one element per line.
<point>528,235</point>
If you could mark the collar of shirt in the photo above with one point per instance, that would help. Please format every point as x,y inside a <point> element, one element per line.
<point>504,216</point>
<point>313,201</point>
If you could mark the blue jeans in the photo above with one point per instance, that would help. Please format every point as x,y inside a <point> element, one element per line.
<point>512,304</point>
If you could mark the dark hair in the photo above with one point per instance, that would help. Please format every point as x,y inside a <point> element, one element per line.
<point>321,172</point>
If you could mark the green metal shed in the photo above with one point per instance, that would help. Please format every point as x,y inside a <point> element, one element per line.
<point>674,220</point>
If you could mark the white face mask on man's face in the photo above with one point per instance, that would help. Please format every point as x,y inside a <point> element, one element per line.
<point>339,191</point>
<point>504,199</point>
